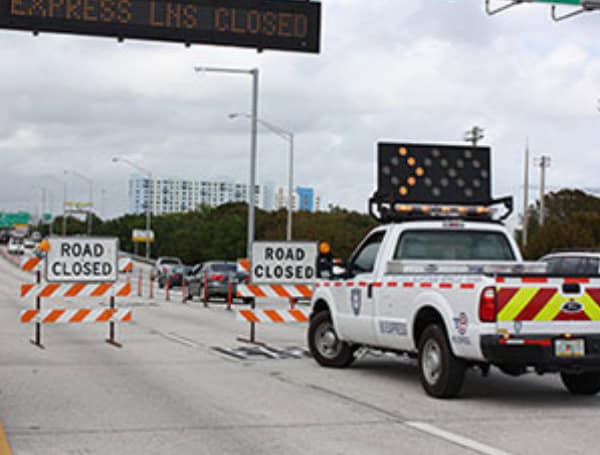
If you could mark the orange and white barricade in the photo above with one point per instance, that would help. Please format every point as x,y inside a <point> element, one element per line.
<point>32,263</point>
<point>50,290</point>
<point>75,316</point>
<point>275,316</point>
<point>125,265</point>
<point>286,291</point>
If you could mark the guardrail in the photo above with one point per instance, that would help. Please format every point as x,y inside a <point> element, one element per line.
<point>137,258</point>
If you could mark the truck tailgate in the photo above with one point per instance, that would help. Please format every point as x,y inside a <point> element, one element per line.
<point>547,305</point>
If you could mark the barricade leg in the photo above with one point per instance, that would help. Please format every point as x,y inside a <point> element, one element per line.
<point>167,286</point>
<point>151,282</point>
<point>37,341</point>
<point>111,327</point>
<point>183,296</point>
<point>139,293</point>
<point>205,296</point>
<point>229,295</point>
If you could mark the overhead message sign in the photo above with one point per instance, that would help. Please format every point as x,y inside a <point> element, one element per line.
<point>263,24</point>
<point>284,262</point>
<point>82,259</point>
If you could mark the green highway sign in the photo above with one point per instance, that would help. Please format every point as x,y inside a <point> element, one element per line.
<point>9,220</point>
<point>563,2</point>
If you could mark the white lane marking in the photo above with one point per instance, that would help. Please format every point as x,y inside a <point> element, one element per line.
<point>455,438</point>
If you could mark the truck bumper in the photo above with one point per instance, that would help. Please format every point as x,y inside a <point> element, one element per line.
<point>538,352</point>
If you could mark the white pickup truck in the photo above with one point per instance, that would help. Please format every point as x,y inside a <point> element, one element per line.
<point>456,294</point>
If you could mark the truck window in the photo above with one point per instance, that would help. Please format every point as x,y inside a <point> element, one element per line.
<point>554,265</point>
<point>364,259</point>
<point>592,266</point>
<point>454,246</point>
<point>572,266</point>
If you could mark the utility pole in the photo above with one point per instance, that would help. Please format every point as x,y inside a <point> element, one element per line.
<point>525,194</point>
<point>474,135</point>
<point>543,162</point>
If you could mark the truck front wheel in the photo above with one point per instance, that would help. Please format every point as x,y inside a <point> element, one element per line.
<point>442,374</point>
<point>582,384</point>
<point>325,347</point>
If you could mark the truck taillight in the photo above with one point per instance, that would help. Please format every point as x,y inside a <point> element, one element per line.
<point>487,305</point>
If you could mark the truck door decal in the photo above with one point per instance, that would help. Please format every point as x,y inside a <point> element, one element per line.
<point>355,300</point>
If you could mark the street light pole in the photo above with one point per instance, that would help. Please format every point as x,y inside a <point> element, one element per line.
<point>149,197</point>
<point>253,144</point>
<point>288,136</point>
<point>90,182</point>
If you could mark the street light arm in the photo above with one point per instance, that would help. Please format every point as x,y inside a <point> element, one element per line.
<point>81,176</point>
<point>148,173</point>
<point>273,128</point>
<point>212,69</point>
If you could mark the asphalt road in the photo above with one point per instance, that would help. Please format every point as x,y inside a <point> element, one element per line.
<point>168,391</point>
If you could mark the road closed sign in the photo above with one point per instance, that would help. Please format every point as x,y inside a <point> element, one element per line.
<point>284,262</point>
<point>82,259</point>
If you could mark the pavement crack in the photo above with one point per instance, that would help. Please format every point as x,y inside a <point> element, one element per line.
<point>399,418</point>
<point>295,425</point>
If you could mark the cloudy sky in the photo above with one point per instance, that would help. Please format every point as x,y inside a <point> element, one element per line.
<point>396,70</point>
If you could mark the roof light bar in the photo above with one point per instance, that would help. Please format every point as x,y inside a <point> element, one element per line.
<point>444,210</point>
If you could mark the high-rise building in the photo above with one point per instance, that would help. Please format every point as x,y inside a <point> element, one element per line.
<point>174,195</point>
<point>304,199</point>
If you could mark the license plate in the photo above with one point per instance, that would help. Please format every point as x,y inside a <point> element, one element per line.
<point>569,348</point>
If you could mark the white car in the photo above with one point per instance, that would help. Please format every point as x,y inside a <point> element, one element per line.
<point>29,246</point>
<point>15,245</point>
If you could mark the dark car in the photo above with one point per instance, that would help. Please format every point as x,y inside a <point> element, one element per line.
<point>163,268</point>
<point>573,262</point>
<point>218,276</point>
<point>176,275</point>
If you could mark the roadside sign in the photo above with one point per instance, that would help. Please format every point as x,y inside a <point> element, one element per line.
<point>284,262</point>
<point>9,220</point>
<point>564,2</point>
<point>82,259</point>
<point>292,25</point>
<point>78,207</point>
<point>142,236</point>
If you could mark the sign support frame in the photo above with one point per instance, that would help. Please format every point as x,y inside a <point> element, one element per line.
<point>37,341</point>
<point>111,327</point>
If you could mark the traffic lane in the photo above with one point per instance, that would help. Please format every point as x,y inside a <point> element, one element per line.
<point>96,399</point>
<point>391,384</point>
<point>157,394</point>
<point>385,385</point>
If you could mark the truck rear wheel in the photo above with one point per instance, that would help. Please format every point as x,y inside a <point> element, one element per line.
<point>442,374</point>
<point>582,384</point>
<point>324,345</point>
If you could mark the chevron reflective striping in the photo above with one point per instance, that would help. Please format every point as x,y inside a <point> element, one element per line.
<point>288,291</point>
<point>516,304</point>
<point>546,304</point>
<point>49,290</point>
<point>274,316</point>
<point>76,316</point>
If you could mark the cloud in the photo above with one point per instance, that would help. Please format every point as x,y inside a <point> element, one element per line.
<point>405,71</point>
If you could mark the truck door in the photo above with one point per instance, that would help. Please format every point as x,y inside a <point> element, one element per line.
<point>357,309</point>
